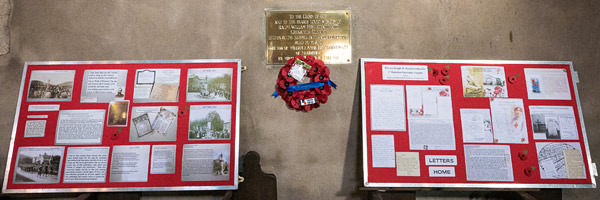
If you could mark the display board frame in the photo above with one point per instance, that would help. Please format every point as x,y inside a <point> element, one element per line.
<point>591,171</point>
<point>234,64</point>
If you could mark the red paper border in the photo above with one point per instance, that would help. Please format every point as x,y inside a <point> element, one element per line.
<point>155,181</point>
<point>373,75</point>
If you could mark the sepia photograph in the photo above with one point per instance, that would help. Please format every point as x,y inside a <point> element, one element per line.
<point>38,165</point>
<point>50,85</point>
<point>213,84</point>
<point>210,122</point>
<point>117,113</point>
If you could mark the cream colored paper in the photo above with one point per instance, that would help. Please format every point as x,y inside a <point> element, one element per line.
<point>574,163</point>
<point>164,92</point>
<point>407,164</point>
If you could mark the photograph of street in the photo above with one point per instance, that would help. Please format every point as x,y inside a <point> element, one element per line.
<point>38,165</point>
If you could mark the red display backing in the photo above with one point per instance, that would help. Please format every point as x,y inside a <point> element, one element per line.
<point>156,182</point>
<point>386,177</point>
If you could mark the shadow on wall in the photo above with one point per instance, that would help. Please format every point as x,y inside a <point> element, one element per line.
<point>352,170</point>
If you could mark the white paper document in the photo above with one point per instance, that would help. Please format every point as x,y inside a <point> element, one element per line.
<point>35,128</point>
<point>476,125</point>
<point>405,72</point>
<point>430,124</point>
<point>145,76</point>
<point>156,85</point>
<point>547,84</point>
<point>508,120</point>
<point>407,164</point>
<point>483,81</point>
<point>80,127</point>
<point>103,85</point>
<point>488,163</point>
<point>86,165</point>
<point>163,159</point>
<point>553,122</point>
<point>129,163</point>
<point>560,160</point>
<point>205,162</point>
<point>382,149</point>
<point>45,107</point>
<point>387,108</point>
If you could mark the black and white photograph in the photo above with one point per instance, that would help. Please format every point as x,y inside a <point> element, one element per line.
<point>117,113</point>
<point>38,165</point>
<point>210,84</point>
<point>141,125</point>
<point>212,164</point>
<point>210,122</point>
<point>50,85</point>
<point>153,123</point>
<point>548,126</point>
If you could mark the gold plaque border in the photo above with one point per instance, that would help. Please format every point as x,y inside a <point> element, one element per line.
<point>274,10</point>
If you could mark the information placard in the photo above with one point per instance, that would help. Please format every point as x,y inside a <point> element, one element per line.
<point>107,126</point>
<point>473,124</point>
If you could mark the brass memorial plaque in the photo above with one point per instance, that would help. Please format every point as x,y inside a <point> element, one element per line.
<point>323,34</point>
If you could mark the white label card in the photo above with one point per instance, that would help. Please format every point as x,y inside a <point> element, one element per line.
<point>442,172</point>
<point>405,72</point>
<point>43,108</point>
<point>440,160</point>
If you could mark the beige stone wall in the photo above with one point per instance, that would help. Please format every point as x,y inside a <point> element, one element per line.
<point>323,162</point>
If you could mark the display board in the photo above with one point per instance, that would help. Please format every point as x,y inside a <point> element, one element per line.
<point>103,126</point>
<point>473,124</point>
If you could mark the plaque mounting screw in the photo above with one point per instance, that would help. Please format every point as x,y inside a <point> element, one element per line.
<point>244,68</point>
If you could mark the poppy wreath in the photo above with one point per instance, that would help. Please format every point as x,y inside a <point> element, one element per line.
<point>307,96</point>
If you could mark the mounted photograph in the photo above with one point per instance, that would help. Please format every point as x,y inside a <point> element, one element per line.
<point>117,113</point>
<point>212,164</point>
<point>213,84</point>
<point>210,122</point>
<point>51,85</point>
<point>153,123</point>
<point>38,165</point>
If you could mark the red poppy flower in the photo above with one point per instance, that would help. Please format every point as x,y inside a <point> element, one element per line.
<point>316,69</point>
<point>301,57</point>
<point>325,71</point>
<point>322,98</point>
<point>284,72</point>
<point>320,78</point>
<point>291,61</point>
<point>325,91</point>
<point>282,83</point>
<point>320,63</point>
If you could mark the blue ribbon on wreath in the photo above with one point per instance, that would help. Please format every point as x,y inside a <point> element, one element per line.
<point>306,86</point>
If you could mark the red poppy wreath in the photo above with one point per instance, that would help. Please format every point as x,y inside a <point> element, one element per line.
<point>305,96</point>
